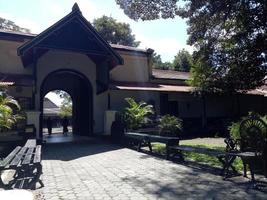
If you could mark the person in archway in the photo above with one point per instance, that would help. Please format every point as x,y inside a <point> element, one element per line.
<point>49,125</point>
<point>65,123</point>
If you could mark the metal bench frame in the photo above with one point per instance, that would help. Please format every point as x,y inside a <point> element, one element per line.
<point>26,161</point>
<point>144,140</point>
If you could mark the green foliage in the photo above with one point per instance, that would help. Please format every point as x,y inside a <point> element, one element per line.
<point>148,9</point>
<point>65,109</point>
<point>228,41</point>
<point>230,38</point>
<point>200,76</point>
<point>115,32</point>
<point>157,62</point>
<point>170,125</point>
<point>183,61</point>
<point>9,25</point>
<point>235,126</point>
<point>8,111</point>
<point>134,115</point>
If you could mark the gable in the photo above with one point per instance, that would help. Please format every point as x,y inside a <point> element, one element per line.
<point>72,33</point>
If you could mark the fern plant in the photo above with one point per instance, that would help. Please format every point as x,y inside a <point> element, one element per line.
<point>8,108</point>
<point>170,125</point>
<point>134,115</point>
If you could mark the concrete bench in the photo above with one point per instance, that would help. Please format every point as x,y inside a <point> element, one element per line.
<point>144,140</point>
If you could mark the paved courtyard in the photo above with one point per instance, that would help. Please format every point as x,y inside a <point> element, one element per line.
<point>97,170</point>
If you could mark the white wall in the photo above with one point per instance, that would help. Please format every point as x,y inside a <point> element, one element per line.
<point>55,60</point>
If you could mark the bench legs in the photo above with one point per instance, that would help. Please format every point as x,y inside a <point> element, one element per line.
<point>26,177</point>
<point>36,177</point>
<point>144,144</point>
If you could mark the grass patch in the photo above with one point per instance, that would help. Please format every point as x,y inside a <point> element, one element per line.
<point>201,158</point>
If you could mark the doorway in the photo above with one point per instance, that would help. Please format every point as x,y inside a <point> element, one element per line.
<point>80,90</point>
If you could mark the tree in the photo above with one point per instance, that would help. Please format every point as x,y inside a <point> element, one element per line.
<point>115,32</point>
<point>149,9</point>
<point>156,60</point>
<point>182,61</point>
<point>65,109</point>
<point>8,108</point>
<point>230,38</point>
<point>158,64</point>
<point>9,25</point>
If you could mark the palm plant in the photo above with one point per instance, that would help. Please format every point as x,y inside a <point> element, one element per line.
<point>8,108</point>
<point>134,115</point>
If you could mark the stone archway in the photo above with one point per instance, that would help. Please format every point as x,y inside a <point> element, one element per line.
<point>80,89</point>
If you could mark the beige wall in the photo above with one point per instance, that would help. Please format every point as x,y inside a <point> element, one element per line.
<point>117,97</point>
<point>55,60</point>
<point>135,69</point>
<point>20,91</point>
<point>10,62</point>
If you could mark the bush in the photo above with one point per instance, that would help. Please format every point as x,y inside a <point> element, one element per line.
<point>235,126</point>
<point>170,126</point>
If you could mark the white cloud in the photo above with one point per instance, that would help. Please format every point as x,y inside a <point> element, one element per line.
<point>23,22</point>
<point>166,47</point>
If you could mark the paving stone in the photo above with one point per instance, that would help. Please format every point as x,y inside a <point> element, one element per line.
<point>95,170</point>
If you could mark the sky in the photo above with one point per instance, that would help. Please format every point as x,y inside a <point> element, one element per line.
<point>165,36</point>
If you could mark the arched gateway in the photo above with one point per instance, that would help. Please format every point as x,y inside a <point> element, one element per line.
<point>71,56</point>
<point>80,89</point>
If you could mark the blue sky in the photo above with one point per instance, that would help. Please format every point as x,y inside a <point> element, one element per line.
<point>166,37</point>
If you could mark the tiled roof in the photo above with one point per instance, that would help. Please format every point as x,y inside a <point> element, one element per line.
<point>149,87</point>
<point>114,46</point>
<point>49,104</point>
<point>16,79</point>
<point>170,74</point>
<point>17,33</point>
<point>5,83</point>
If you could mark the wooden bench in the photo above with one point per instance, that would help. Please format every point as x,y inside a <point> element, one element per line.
<point>26,161</point>
<point>144,140</point>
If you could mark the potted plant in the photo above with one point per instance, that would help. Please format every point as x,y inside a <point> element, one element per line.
<point>134,115</point>
<point>9,116</point>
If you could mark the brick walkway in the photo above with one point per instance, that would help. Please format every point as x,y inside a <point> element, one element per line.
<point>102,171</point>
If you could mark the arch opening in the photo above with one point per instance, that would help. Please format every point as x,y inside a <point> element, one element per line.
<point>57,113</point>
<point>80,90</point>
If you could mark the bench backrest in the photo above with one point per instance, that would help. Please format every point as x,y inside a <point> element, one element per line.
<point>253,133</point>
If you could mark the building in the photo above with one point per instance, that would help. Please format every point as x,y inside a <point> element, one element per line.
<point>71,56</point>
<point>50,109</point>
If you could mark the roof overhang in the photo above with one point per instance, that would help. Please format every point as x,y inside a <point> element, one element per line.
<point>147,86</point>
<point>16,80</point>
